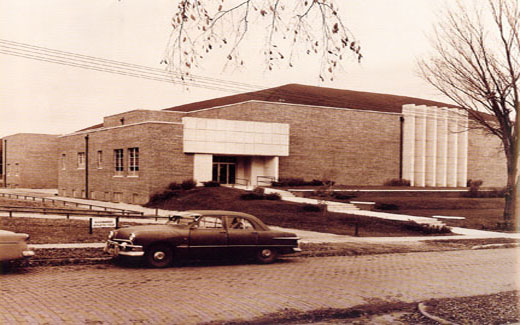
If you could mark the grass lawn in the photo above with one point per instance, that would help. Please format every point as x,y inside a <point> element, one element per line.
<point>282,213</point>
<point>480,213</point>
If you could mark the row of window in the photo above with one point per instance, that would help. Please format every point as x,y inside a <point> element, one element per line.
<point>119,158</point>
<point>12,170</point>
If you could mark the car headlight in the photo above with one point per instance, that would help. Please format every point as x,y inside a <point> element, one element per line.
<point>111,234</point>
<point>131,237</point>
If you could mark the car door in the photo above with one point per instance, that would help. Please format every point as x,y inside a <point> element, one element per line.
<point>208,238</point>
<point>242,235</point>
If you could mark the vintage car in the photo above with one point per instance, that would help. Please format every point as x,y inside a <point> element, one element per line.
<point>13,246</point>
<point>202,234</point>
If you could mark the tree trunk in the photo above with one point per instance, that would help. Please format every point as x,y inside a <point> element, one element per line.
<point>511,194</point>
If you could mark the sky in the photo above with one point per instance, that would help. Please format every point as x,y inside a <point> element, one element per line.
<point>43,97</point>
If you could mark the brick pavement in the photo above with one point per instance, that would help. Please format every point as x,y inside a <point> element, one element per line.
<point>199,293</point>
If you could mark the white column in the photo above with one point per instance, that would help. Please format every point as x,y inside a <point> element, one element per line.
<point>257,169</point>
<point>202,167</point>
<point>451,167</point>
<point>462,145</point>
<point>431,146</point>
<point>408,142</point>
<point>271,167</point>
<point>420,146</point>
<point>442,146</point>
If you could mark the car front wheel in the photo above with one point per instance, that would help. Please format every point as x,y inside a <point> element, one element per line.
<point>159,256</point>
<point>266,255</point>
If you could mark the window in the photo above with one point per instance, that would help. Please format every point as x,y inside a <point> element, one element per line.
<point>99,159</point>
<point>118,161</point>
<point>81,160</point>
<point>63,161</point>
<point>208,222</point>
<point>133,161</point>
<point>240,223</point>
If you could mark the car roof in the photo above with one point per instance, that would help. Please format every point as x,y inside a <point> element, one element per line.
<point>223,213</point>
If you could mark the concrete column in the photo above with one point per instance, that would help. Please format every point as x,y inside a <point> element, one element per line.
<point>462,144</point>
<point>202,167</point>
<point>451,167</point>
<point>431,146</point>
<point>257,169</point>
<point>408,142</point>
<point>420,146</point>
<point>442,146</point>
<point>271,167</point>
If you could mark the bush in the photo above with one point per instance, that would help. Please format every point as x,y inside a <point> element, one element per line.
<point>188,184</point>
<point>386,206</point>
<point>211,184</point>
<point>164,196</point>
<point>474,188</point>
<point>251,196</point>
<point>174,186</point>
<point>342,196</point>
<point>272,196</point>
<point>311,208</point>
<point>425,228</point>
<point>397,182</point>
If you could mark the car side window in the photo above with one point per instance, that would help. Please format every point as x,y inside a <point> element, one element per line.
<point>240,223</point>
<point>210,222</point>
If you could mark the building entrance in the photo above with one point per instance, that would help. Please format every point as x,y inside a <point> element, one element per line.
<point>224,169</point>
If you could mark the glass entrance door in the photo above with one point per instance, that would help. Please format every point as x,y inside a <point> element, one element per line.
<point>224,169</point>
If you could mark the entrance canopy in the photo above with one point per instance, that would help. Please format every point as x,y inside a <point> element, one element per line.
<point>235,152</point>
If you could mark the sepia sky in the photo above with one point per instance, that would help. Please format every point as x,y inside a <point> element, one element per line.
<point>43,97</point>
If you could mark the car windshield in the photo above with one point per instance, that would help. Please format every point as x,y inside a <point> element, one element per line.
<point>182,219</point>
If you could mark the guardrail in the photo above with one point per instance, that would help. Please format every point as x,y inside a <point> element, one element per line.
<point>65,203</point>
<point>265,179</point>
<point>68,212</point>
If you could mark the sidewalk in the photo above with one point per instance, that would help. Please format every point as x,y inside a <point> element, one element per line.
<point>306,236</point>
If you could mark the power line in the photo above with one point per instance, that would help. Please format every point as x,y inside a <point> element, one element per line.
<point>118,67</point>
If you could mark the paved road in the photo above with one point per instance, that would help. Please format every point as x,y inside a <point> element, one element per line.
<point>200,293</point>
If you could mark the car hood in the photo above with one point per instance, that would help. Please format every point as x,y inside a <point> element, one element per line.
<point>123,233</point>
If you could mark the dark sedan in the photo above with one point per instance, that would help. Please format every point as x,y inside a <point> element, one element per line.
<point>202,234</point>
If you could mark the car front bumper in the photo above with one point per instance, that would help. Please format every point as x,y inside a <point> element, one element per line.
<point>116,248</point>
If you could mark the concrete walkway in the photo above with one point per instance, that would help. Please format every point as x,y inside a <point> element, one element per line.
<point>306,236</point>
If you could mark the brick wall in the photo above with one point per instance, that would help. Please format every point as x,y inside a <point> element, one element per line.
<point>138,116</point>
<point>350,147</point>
<point>161,161</point>
<point>486,159</point>
<point>31,160</point>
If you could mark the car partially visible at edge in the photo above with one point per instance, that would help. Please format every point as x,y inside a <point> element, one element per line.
<point>13,246</point>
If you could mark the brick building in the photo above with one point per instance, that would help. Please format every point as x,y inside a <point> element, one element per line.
<point>353,138</point>
<point>29,160</point>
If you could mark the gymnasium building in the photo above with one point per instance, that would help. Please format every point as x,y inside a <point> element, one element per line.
<point>350,137</point>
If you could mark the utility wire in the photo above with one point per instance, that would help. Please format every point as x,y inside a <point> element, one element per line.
<point>123,68</point>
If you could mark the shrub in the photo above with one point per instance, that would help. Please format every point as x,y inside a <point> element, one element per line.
<point>188,184</point>
<point>316,182</point>
<point>425,228</point>
<point>163,196</point>
<point>311,208</point>
<point>386,206</point>
<point>251,196</point>
<point>174,186</point>
<point>272,196</point>
<point>397,182</point>
<point>211,184</point>
<point>343,196</point>
<point>474,188</point>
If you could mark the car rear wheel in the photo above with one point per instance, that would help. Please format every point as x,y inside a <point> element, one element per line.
<point>266,255</point>
<point>159,256</point>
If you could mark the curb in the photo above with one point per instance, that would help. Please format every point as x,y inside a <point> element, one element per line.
<point>422,309</point>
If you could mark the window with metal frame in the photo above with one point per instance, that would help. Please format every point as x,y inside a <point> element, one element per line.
<point>118,161</point>
<point>133,161</point>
